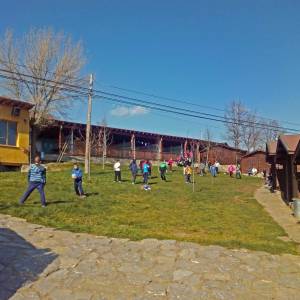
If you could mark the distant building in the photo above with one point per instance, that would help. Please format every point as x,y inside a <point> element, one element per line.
<point>14,132</point>
<point>255,159</point>
<point>223,153</point>
<point>128,144</point>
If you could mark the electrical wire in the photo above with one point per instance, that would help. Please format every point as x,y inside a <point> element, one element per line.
<point>151,103</point>
<point>137,102</point>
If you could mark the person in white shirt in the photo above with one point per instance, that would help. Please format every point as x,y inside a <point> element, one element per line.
<point>254,171</point>
<point>217,166</point>
<point>117,169</point>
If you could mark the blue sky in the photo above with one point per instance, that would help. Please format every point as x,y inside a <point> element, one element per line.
<point>206,52</point>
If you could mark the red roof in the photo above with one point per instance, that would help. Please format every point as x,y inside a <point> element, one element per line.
<point>14,102</point>
<point>254,153</point>
<point>290,142</point>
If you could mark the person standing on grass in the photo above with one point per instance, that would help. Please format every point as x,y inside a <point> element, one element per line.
<point>141,165</point>
<point>230,170</point>
<point>213,170</point>
<point>238,173</point>
<point>146,168</point>
<point>133,167</point>
<point>163,170</point>
<point>117,169</point>
<point>150,167</point>
<point>187,174</point>
<point>77,176</point>
<point>37,180</point>
<point>202,168</point>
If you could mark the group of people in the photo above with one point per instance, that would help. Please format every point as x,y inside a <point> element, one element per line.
<point>214,169</point>
<point>145,168</point>
<point>37,181</point>
<point>37,174</point>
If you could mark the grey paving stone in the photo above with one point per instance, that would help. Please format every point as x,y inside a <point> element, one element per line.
<point>45,264</point>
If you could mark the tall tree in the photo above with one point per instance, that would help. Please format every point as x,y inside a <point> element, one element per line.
<point>234,115</point>
<point>271,131</point>
<point>41,54</point>
<point>251,134</point>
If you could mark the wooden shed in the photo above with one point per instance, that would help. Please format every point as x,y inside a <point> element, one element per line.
<point>271,160</point>
<point>286,168</point>
<point>223,153</point>
<point>255,159</point>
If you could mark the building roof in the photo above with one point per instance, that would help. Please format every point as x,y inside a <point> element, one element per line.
<point>226,146</point>
<point>290,142</point>
<point>271,148</point>
<point>253,153</point>
<point>14,102</point>
<point>181,139</point>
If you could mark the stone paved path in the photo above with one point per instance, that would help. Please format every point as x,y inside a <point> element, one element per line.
<point>43,263</point>
<point>280,212</point>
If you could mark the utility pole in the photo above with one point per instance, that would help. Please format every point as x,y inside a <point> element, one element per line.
<point>87,161</point>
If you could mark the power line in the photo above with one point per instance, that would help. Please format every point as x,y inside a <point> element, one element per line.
<point>173,111</point>
<point>186,102</point>
<point>142,103</point>
<point>145,94</point>
<point>164,98</point>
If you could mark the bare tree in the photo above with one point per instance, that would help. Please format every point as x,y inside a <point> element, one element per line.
<point>208,138</point>
<point>234,116</point>
<point>271,131</point>
<point>41,54</point>
<point>251,134</point>
<point>105,140</point>
<point>101,138</point>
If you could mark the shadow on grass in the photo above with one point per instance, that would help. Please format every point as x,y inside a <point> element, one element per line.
<point>91,194</point>
<point>21,262</point>
<point>58,202</point>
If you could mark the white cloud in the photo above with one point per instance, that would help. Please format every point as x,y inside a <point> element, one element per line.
<point>124,111</point>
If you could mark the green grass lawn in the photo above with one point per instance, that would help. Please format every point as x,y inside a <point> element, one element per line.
<point>221,211</point>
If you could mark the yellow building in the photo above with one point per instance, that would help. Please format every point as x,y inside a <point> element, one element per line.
<point>14,132</point>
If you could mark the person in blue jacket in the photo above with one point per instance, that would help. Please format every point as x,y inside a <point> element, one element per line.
<point>133,167</point>
<point>36,180</point>
<point>146,168</point>
<point>77,176</point>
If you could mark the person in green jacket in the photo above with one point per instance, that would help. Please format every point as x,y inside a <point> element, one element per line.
<point>163,170</point>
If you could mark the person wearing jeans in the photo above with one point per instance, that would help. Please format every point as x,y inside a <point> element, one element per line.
<point>36,180</point>
<point>77,176</point>
<point>146,168</point>
<point>163,170</point>
<point>134,170</point>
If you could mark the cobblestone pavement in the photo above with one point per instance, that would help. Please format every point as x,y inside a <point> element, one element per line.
<point>43,263</point>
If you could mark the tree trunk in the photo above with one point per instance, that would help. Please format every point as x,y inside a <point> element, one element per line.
<point>104,149</point>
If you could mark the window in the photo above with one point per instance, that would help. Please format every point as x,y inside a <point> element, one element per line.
<point>8,133</point>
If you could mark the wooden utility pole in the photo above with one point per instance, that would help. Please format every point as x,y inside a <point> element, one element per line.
<point>87,161</point>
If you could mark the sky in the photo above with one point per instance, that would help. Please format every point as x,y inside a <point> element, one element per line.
<point>205,52</point>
